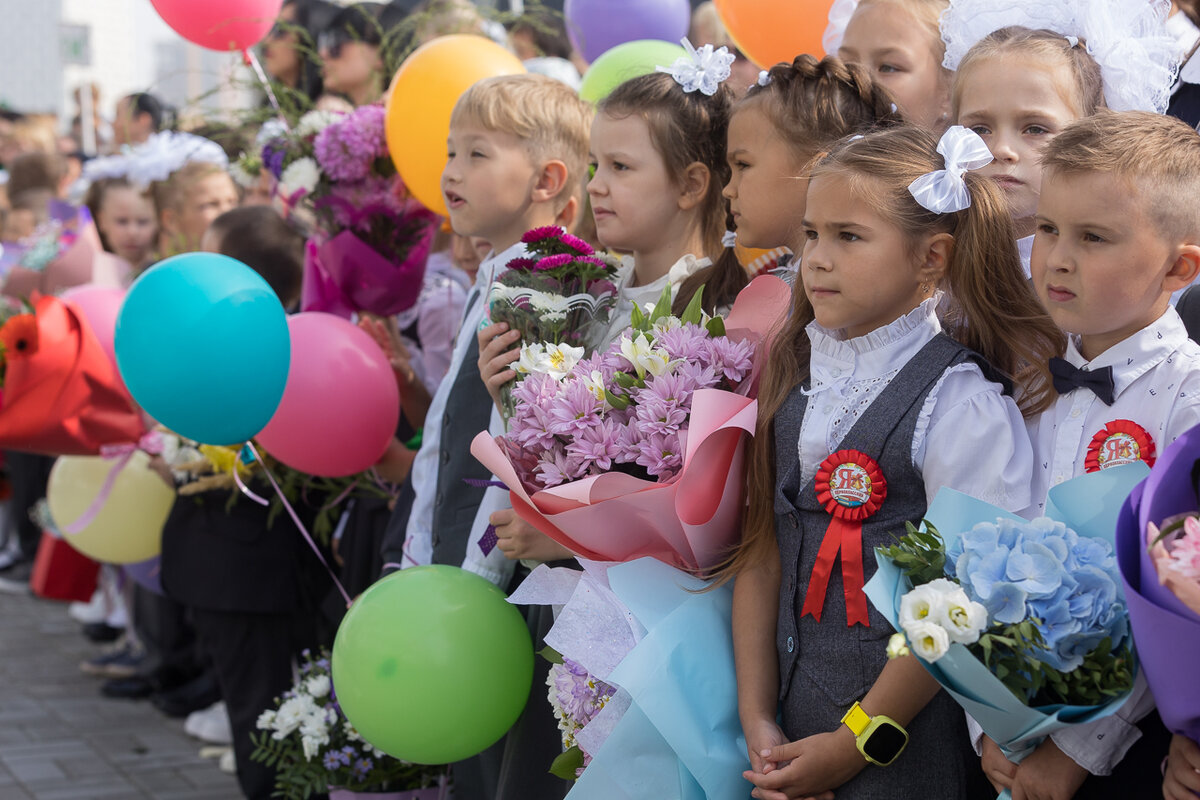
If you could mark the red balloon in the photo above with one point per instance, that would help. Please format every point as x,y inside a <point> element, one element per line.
<point>220,24</point>
<point>341,404</point>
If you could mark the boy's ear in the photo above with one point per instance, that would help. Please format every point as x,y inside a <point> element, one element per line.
<point>1185,268</point>
<point>694,186</point>
<point>551,181</point>
<point>935,257</point>
<point>569,215</point>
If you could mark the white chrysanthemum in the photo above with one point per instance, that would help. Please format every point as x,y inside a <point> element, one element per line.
<point>318,685</point>
<point>273,128</point>
<point>266,720</point>
<point>302,175</point>
<point>291,714</point>
<point>314,122</point>
<point>928,640</point>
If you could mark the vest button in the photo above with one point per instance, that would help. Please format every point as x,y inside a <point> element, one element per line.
<point>791,644</point>
<point>445,456</point>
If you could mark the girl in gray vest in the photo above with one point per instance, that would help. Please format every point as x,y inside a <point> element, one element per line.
<point>880,390</point>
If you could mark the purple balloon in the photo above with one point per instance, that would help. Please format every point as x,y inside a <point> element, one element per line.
<point>147,574</point>
<point>596,26</point>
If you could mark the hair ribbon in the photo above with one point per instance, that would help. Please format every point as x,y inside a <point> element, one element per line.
<point>944,191</point>
<point>702,69</point>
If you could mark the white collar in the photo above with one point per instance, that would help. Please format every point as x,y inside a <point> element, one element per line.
<point>495,264</point>
<point>1136,355</point>
<point>877,353</point>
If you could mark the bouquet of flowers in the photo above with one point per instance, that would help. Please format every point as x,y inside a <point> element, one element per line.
<point>635,455</point>
<point>1158,551</point>
<point>372,238</point>
<point>576,696</point>
<point>560,298</point>
<point>314,749</point>
<point>62,394</point>
<point>1023,623</point>
<point>63,251</point>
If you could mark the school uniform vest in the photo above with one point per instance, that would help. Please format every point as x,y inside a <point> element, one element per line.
<point>825,666</point>
<point>468,411</point>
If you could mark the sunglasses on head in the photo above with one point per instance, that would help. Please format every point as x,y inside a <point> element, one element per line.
<point>332,42</point>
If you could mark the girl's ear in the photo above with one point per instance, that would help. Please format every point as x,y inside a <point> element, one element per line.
<point>935,258</point>
<point>1185,268</point>
<point>694,186</point>
<point>551,181</point>
<point>169,220</point>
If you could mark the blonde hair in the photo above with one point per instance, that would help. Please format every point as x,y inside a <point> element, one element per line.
<point>926,12</point>
<point>170,193</point>
<point>1157,156</point>
<point>1044,48</point>
<point>994,310</point>
<point>547,115</point>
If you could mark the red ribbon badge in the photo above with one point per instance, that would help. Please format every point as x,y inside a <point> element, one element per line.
<point>851,487</point>
<point>1119,442</point>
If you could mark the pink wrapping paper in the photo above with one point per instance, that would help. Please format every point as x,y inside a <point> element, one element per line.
<point>691,523</point>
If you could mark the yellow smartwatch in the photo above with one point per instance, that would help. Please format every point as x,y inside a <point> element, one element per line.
<point>880,739</point>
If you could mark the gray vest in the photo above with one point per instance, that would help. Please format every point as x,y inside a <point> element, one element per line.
<point>468,411</point>
<point>824,667</point>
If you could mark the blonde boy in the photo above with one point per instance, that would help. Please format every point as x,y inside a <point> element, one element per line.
<point>1117,231</point>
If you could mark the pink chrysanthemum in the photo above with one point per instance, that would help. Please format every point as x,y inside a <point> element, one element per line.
<point>578,245</point>
<point>553,262</point>
<point>539,234</point>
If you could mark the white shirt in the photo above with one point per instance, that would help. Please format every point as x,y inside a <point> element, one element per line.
<point>418,541</point>
<point>1025,251</point>
<point>495,566</point>
<point>969,436</point>
<point>1156,376</point>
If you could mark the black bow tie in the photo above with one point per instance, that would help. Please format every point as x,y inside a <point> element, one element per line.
<point>1068,377</point>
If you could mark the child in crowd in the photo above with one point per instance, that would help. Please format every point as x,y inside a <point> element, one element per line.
<point>189,200</point>
<point>1117,233</point>
<point>898,41</point>
<point>1019,85</point>
<point>863,380</point>
<point>794,112</point>
<point>517,152</point>
<point>125,219</point>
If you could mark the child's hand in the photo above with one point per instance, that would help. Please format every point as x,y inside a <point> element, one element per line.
<point>811,767</point>
<point>518,539</point>
<point>998,769</point>
<point>1047,774</point>
<point>1182,778</point>
<point>762,736</point>
<point>386,335</point>
<point>495,357</point>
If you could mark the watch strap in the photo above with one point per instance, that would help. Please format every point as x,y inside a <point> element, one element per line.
<point>856,719</point>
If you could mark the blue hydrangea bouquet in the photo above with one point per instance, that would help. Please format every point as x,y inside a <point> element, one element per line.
<point>1024,623</point>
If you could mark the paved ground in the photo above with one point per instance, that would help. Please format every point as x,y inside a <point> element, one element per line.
<point>60,740</point>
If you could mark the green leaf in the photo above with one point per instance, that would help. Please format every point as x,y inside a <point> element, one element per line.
<point>693,313</point>
<point>551,655</point>
<point>716,326</point>
<point>663,307</point>
<point>637,318</point>
<point>625,380</point>
<point>616,402</point>
<point>567,763</point>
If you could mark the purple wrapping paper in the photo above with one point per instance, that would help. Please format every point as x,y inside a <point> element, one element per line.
<point>319,292</point>
<point>1166,633</point>
<point>347,273</point>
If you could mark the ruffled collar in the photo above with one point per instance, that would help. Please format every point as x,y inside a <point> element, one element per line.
<point>877,353</point>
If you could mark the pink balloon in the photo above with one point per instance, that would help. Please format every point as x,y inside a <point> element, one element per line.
<point>220,24</point>
<point>99,305</point>
<point>341,403</point>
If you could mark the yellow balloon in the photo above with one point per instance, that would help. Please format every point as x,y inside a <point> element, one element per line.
<point>420,100</point>
<point>128,527</point>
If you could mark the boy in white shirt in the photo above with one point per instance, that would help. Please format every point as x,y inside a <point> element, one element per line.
<point>1117,232</point>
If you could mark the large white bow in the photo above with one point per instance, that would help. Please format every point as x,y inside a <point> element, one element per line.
<point>702,69</point>
<point>944,190</point>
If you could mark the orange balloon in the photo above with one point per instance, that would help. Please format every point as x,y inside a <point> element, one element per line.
<point>770,31</point>
<point>420,100</point>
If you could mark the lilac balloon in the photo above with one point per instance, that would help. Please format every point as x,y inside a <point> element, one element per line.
<point>147,574</point>
<point>596,26</point>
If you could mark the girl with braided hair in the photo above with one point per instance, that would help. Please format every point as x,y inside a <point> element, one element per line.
<point>794,112</point>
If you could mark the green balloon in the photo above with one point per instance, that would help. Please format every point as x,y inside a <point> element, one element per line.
<point>626,61</point>
<point>432,664</point>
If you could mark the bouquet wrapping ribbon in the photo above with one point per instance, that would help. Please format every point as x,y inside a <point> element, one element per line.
<point>851,487</point>
<point>62,394</point>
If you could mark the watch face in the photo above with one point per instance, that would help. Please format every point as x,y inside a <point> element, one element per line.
<point>885,743</point>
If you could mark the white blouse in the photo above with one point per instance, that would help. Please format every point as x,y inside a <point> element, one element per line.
<point>630,296</point>
<point>969,436</point>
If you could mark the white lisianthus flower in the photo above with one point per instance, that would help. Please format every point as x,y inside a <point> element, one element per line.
<point>532,359</point>
<point>928,640</point>
<point>963,619</point>
<point>318,685</point>
<point>922,604</point>
<point>266,720</point>
<point>302,175</point>
<point>314,122</point>
<point>897,646</point>
<point>561,359</point>
<point>644,357</point>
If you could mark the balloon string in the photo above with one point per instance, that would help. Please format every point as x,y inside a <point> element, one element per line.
<point>89,514</point>
<point>296,519</point>
<point>252,60</point>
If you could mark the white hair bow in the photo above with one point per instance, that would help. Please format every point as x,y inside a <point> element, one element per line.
<point>944,190</point>
<point>702,69</point>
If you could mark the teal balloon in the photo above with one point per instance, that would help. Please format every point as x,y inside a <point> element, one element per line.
<point>623,62</point>
<point>432,664</point>
<point>202,344</point>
